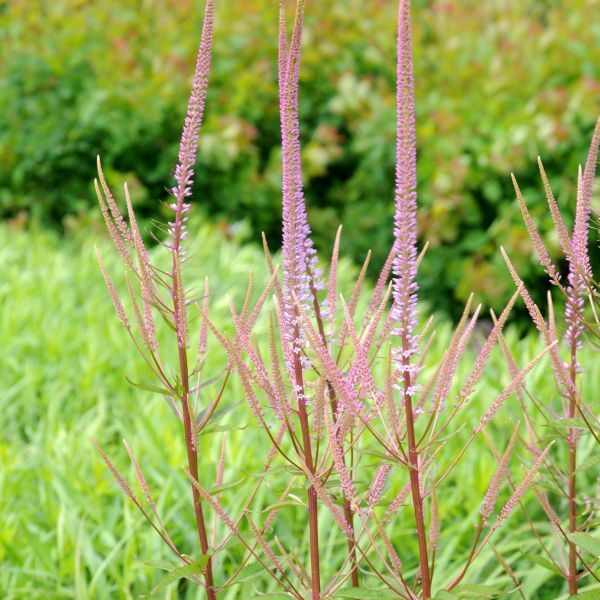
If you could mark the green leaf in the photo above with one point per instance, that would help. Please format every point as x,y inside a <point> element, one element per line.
<point>167,320</point>
<point>221,428</point>
<point>248,572</point>
<point>226,486</point>
<point>171,404</point>
<point>164,565</point>
<point>587,542</point>
<point>544,562</point>
<point>294,471</point>
<point>283,504</point>
<point>178,387</point>
<point>444,595</point>
<point>196,567</point>
<point>376,454</point>
<point>199,366</point>
<point>148,387</point>
<point>593,594</point>
<point>472,590</point>
<point>591,461</point>
<point>569,423</point>
<point>218,414</point>
<point>209,381</point>
<point>275,470</point>
<point>364,593</point>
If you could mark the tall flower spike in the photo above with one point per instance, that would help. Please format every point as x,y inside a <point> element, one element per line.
<point>405,220</point>
<point>299,256</point>
<point>188,146</point>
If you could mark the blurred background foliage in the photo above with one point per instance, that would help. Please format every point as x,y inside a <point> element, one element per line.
<point>497,84</point>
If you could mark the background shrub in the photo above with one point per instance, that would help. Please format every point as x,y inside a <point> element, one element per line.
<point>496,86</point>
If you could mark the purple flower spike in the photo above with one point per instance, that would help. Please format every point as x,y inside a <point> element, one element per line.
<point>299,255</point>
<point>405,286</point>
<point>188,146</point>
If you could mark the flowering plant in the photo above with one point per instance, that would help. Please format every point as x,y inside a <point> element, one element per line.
<point>344,389</point>
<point>575,417</point>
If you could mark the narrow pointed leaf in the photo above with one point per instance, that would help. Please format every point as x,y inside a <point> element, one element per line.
<point>586,542</point>
<point>195,568</point>
<point>148,387</point>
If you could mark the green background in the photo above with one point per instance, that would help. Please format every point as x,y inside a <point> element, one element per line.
<point>497,84</point>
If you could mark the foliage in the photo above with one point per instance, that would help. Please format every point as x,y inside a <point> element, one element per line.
<point>496,87</point>
<point>67,531</point>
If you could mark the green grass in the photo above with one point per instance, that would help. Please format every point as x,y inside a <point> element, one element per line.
<point>66,531</point>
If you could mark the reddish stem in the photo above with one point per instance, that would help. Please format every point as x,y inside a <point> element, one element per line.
<point>348,514</point>
<point>190,438</point>
<point>413,457</point>
<point>313,516</point>
<point>572,574</point>
<point>351,543</point>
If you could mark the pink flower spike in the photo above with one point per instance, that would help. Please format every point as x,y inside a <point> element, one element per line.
<point>489,502</point>
<point>120,310</point>
<point>561,230</point>
<point>299,256</point>
<point>336,447</point>
<point>518,493</point>
<point>536,240</point>
<point>378,484</point>
<point>188,146</point>
<point>404,268</point>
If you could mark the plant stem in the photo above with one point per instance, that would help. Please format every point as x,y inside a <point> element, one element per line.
<point>572,441</point>
<point>348,514</point>
<point>413,457</point>
<point>190,437</point>
<point>313,516</point>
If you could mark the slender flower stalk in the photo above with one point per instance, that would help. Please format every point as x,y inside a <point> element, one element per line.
<point>184,171</point>
<point>579,277</point>
<point>128,240</point>
<point>299,257</point>
<point>404,310</point>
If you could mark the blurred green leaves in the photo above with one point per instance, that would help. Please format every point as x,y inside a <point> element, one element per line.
<point>496,84</point>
